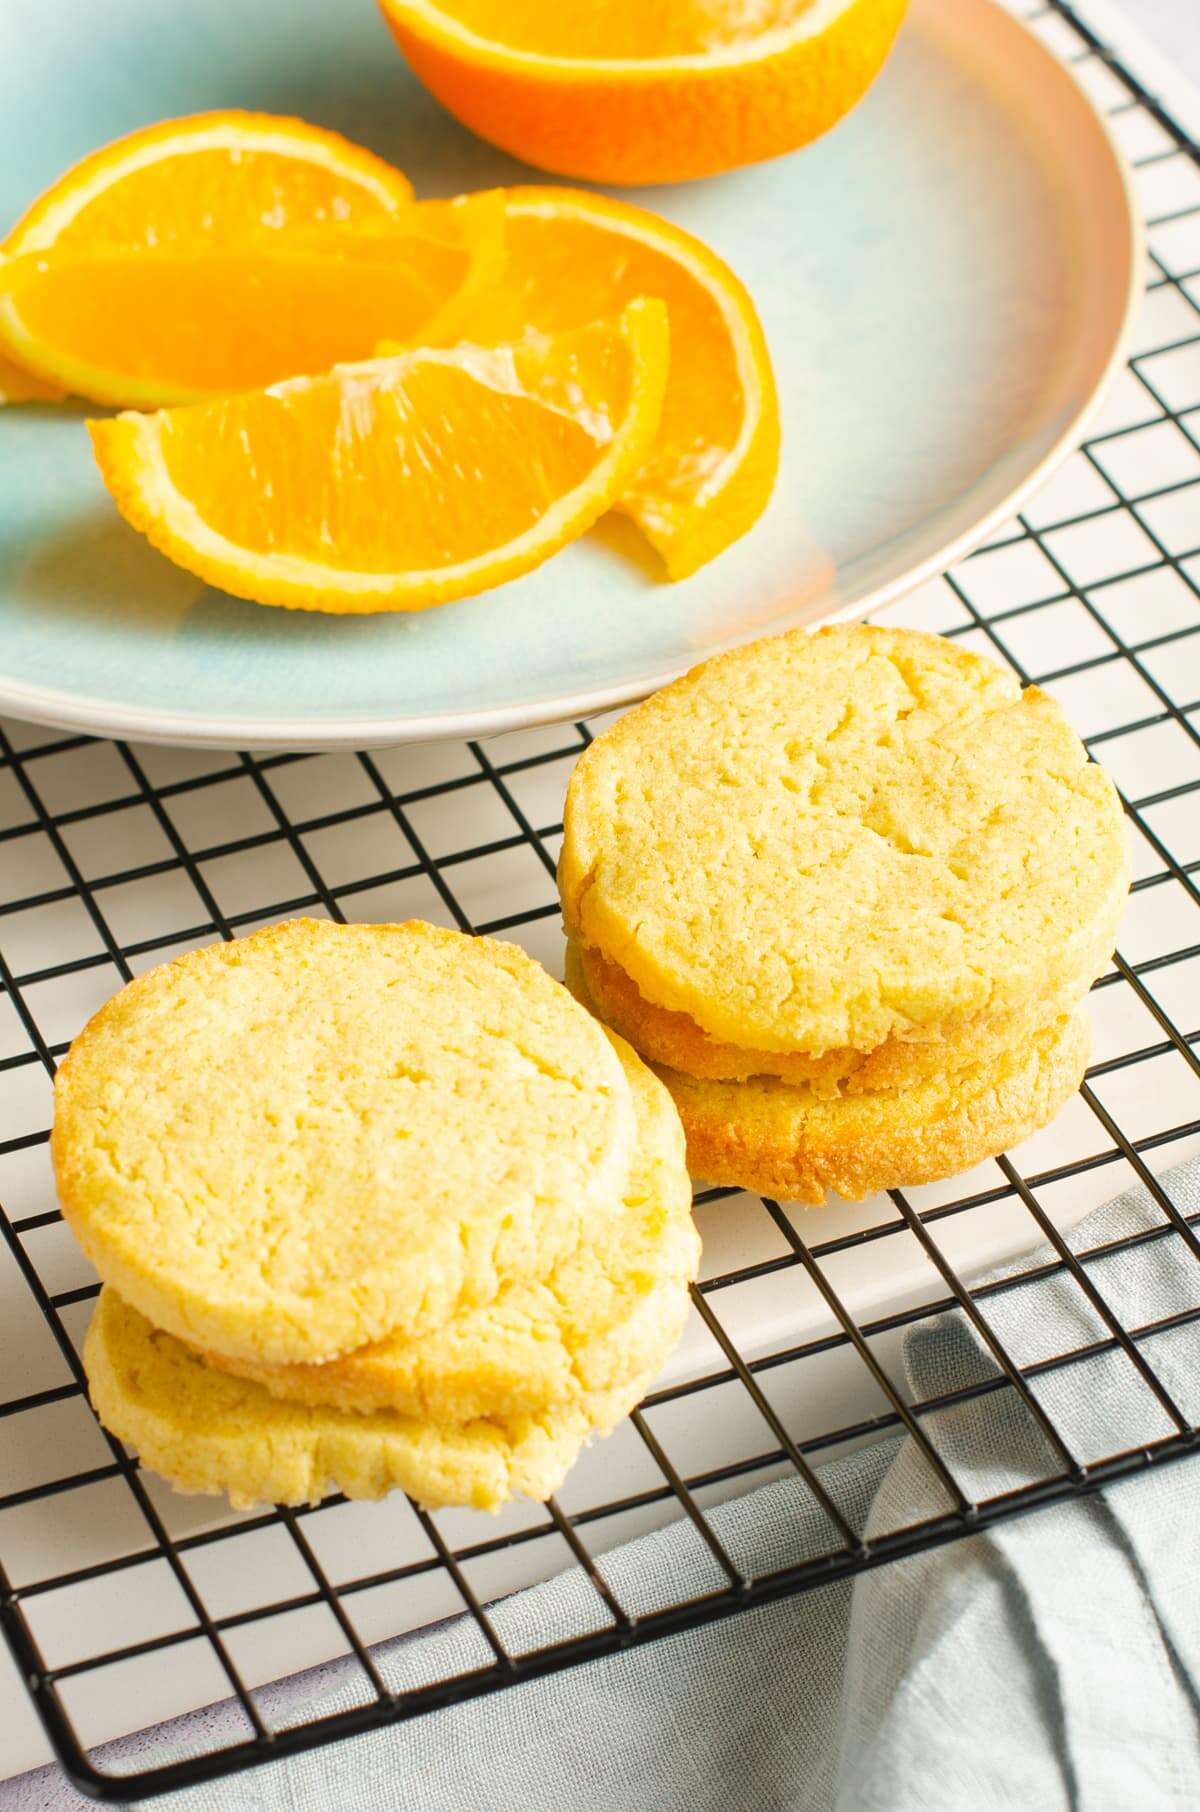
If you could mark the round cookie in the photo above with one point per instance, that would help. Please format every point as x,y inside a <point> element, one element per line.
<point>285,1147</point>
<point>821,842</point>
<point>780,1140</point>
<point>676,1041</point>
<point>613,1308</point>
<point>208,1432</point>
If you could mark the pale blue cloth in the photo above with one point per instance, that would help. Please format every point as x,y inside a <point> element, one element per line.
<point>1051,1662</point>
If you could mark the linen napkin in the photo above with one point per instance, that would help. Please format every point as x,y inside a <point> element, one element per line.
<point>1049,1661</point>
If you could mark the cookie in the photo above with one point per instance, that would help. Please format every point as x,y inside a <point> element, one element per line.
<point>208,1432</point>
<point>676,1041</point>
<point>286,1147</point>
<point>781,1140</point>
<point>822,842</point>
<point>614,1307</point>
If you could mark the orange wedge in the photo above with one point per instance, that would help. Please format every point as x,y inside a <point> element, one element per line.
<point>574,257</point>
<point>19,386</point>
<point>399,483</point>
<point>631,92</point>
<point>212,175</point>
<point>196,319</point>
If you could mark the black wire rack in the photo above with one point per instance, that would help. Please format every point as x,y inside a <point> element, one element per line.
<point>1094,592</point>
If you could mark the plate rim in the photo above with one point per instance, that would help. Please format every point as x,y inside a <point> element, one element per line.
<point>79,715</point>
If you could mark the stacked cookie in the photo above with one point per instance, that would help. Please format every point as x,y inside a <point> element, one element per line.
<point>847,892</point>
<point>374,1206</point>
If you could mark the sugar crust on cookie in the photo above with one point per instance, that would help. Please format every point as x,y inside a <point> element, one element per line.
<point>676,1041</point>
<point>780,1140</point>
<point>287,1146</point>
<point>820,842</point>
<point>613,1307</point>
<point>206,1431</point>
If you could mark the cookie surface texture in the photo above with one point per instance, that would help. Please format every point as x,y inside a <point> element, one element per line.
<point>820,842</point>
<point>288,1146</point>
<point>208,1432</point>
<point>675,1041</point>
<point>612,1309</point>
<point>781,1140</point>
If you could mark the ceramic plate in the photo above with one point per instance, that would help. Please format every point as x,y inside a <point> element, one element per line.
<point>944,280</point>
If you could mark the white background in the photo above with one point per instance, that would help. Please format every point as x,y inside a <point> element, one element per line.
<point>1175,27</point>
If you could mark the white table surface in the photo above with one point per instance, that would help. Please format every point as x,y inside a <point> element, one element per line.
<point>1174,26</point>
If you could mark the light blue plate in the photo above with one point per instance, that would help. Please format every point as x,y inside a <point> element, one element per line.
<point>944,282</point>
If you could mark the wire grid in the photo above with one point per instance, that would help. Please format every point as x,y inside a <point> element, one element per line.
<point>1104,568</point>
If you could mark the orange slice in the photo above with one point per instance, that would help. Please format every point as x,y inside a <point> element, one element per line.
<point>198,319</point>
<point>212,175</point>
<point>18,386</point>
<point>397,483</point>
<point>573,257</point>
<point>630,92</point>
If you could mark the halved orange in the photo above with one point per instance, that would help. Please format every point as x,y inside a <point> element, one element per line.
<point>574,257</point>
<point>400,483</point>
<point>198,318</point>
<point>210,175</point>
<point>630,92</point>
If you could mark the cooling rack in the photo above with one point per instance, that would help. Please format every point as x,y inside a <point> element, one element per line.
<point>114,857</point>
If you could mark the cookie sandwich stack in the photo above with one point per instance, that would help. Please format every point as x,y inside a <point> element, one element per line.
<point>374,1206</point>
<point>846,892</point>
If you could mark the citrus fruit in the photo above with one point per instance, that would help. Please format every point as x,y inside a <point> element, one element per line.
<point>19,386</point>
<point>620,91</point>
<point>399,483</point>
<point>574,257</point>
<point>197,318</point>
<point>211,175</point>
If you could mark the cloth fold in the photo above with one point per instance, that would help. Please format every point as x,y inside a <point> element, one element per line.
<point>1052,1660</point>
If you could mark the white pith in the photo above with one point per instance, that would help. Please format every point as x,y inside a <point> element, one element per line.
<point>813,23</point>
<point>696,262</point>
<point>220,136</point>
